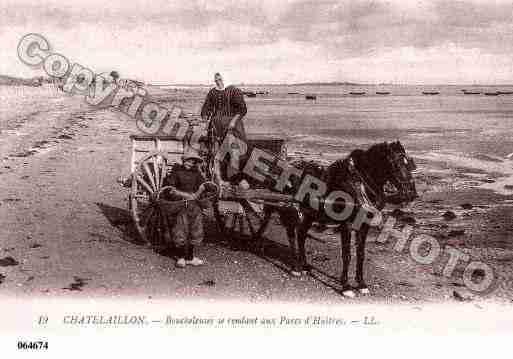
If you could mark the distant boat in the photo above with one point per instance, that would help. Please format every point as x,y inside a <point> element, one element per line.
<point>249,93</point>
<point>505,92</point>
<point>465,92</point>
<point>491,93</point>
<point>359,93</point>
<point>293,93</point>
<point>430,93</point>
<point>311,97</point>
<point>382,93</point>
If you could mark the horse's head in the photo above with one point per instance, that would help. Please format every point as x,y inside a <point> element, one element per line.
<point>399,167</point>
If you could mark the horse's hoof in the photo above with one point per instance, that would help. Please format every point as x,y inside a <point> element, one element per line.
<point>364,291</point>
<point>349,293</point>
<point>295,273</point>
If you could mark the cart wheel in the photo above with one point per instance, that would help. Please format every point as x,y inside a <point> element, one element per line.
<point>147,182</point>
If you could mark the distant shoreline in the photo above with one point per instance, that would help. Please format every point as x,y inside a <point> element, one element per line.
<point>335,84</point>
<point>7,80</point>
<point>17,81</point>
<point>269,84</point>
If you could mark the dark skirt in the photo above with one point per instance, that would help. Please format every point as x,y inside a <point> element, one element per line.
<point>221,124</point>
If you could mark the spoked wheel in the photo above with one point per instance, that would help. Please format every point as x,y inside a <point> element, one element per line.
<point>147,184</point>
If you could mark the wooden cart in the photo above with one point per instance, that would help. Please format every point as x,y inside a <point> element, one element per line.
<point>236,214</point>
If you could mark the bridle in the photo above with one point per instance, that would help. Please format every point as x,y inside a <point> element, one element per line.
<point>405,185</point>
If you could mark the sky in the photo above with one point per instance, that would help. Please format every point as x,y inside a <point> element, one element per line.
<point>271,41</point>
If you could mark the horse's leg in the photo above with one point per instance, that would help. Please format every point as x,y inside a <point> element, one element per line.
<point>290,222</point>
<point>361,239</point>
<point>302,231</point>
<point>263,226</point>
<point>219,218</point>
<point>345,244</point>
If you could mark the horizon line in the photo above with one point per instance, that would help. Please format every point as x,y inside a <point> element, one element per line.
<point>305,83</point>
<point>334,83</point>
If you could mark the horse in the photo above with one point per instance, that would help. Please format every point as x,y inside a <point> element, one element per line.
<point>362,175</point>
<point>340,176</point>
<point>381,164</point>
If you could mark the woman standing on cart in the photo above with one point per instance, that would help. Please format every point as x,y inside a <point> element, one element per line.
<point>225,108</point>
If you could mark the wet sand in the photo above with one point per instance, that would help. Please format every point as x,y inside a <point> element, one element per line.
<point>64,220</point>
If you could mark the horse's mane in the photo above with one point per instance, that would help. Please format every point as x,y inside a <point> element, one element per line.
<point>372,157</point>
<point>375,151</point>
<point>336,173</point>
<point>331,174</point>
<point>378,149</point>
<point>336,167</point>
<point>371,163</point>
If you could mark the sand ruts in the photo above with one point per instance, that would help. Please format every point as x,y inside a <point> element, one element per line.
<point>66,199</point>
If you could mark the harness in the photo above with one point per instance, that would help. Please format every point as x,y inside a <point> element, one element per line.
<point>370,184</point>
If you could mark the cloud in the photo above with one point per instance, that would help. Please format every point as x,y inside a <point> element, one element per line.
<point>363,27</point>
<point>469,14</point>
<point>276,40</point>
<point>356,26</point>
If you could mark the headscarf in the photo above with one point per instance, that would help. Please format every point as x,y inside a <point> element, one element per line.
<point>226,83</point>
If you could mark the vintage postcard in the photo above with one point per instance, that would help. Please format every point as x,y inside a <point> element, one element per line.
<point>179,175</point>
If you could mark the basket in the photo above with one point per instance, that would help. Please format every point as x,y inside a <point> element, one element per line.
<point>174,207</point>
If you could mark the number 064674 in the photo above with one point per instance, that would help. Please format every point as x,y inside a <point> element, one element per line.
<point>39,345</point>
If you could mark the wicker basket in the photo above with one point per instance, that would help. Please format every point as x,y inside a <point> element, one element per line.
<point>174,207</point>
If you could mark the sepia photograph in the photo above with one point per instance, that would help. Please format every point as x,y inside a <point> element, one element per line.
<point>202,169</point>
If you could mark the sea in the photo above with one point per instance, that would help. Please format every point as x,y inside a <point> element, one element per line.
<point>470,132</point>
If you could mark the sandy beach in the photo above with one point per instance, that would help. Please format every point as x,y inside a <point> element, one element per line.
<point>64,218</point>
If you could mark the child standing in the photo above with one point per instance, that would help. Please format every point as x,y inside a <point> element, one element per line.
<point>187,231</point>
